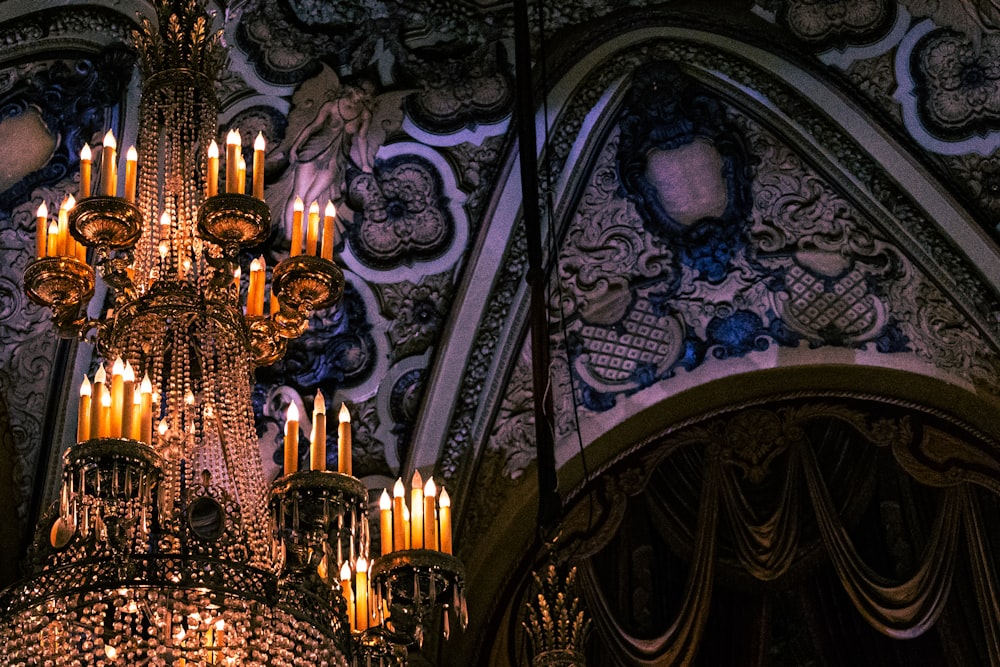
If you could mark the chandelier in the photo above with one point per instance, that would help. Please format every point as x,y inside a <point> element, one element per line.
<point>167,546</point>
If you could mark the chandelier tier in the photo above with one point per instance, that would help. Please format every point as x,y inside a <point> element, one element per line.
<point>167,546</point>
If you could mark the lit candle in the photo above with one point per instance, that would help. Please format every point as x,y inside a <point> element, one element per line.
<point>83,413</point>
<point>237,273</point>
<point>104,424</point>
<point>63,239</point>
<point>241,174</point>
<point>329,218</point>
<point>430,523</point>
<point>345,587</point>
<point>128,400</point>
<point>445,519</point>
<point>312,229</point>
<point>233,148</point>
<point>317,448</point>
<point>385,521</point>
<point>95,405</point>
<point>417,511</point>
<point>213,169</point>
<point>252,288</point>
<point>398,527</point>
<point>85,163</point>
<point>146,410</point>
<point>362,594</point>
<point>42,216</point>
<point>406,527</point>
<point>136,432</point>
<point>52,240</point>
<point>344,441</point>
<point>117,394</point>
<point>109,171</point>
<point>131,159</point>
<point>258,307</point>
<point>296,248</point>
<point>258,166</point>
<point>292,439</point>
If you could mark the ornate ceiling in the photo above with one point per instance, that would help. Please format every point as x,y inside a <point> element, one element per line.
<point>739,202</point>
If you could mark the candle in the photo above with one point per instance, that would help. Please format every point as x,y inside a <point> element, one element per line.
<point>136,432</point>
<point>117,394</point>
<point>233,148</point>
<point>344,441</point>
<point>398,528</point>
<point>241,174</point>
<point>52,240</point>
<point>385,521</point>
<point>252,288</point>
<point>85,163</point>
<point>445,518</point>
<point>109,171</point>
<point>95,405</point>
<point>128,400</point>
<point>312,229</point>
<point>317,449</point>
<point>291,439</point>
<point>430,522</point>
<point>329,218</point>
<point>345,587</point>
<point>417,511</point>
<point>406,527</point>
<point>83,412</point>
<point>237,273</point>
<point>213,169</point>
<point>104,423</point>
<point>62,236</point>
<point>131,158</point>
<point>146,410</point>
<point>258,166</point>
<point>258,307</point>
<point>361,594</point>
<point>42,216</point>
<point>296,248</point>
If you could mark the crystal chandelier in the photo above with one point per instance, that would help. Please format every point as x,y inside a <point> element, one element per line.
<point>167,546</point>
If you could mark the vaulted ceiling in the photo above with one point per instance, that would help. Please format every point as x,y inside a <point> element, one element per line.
<point>749,210</point>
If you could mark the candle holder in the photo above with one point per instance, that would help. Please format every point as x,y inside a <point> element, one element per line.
<point>266,345</point>
<point>377,649</point>
<point>230,219</point>
<point>412,584</point>
<point>105,222</point>
<point>107,490</point>
<point>320,515</point>
<point>62,284</point>
<point>306,283</point>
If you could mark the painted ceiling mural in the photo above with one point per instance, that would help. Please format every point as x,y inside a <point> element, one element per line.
<point>692,237</point>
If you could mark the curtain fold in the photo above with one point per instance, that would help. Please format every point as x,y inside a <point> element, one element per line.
<point>984,578</point>
<point>678,645</point>
<point>765,548</point>
<point>900,610</point>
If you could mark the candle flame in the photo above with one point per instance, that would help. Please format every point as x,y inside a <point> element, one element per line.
<point>106,399</point>
<point>362,565</point>
<point>43,211</point>
<point>417,482</point>
<point>331,210</point>
<point>298,205</point>
<point>254,265</point>
<point>213,149</point>
<point>85,389</point>
<point>314,208</point>
<point>85,153</point>
<point>430,489</point>
<point>128,374</point>
<point>109,140</point>
<point>345,571</point>
<point>293,413</point>
<point>233,138</point>
<point>258,143</point>
<point>319,403</point>
<point>345,414</point>
<point>162,427</point>
<point>398,490</point>
<point>384,502</point>
<point>132,155</point>
<point>445,499</point>
<point>165,219</point>
<point>118,367</point>
<point>146,385</point>
<point>101,375</point>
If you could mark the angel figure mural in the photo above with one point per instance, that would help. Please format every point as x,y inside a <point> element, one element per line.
<point>331,127</point>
